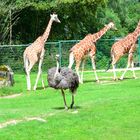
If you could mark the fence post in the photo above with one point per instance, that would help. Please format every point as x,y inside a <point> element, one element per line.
<point>60,53</point>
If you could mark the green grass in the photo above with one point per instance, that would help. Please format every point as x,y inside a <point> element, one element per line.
<point>106,111</point>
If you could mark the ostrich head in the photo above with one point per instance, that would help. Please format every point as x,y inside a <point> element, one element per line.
<point>54,17</point>
<point>57,56</point>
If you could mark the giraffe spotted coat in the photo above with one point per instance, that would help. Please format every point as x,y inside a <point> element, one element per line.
<point>84,47</point>
<point>126,45</point>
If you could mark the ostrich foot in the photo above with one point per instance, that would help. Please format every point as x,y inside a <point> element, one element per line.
<point>71,106</point>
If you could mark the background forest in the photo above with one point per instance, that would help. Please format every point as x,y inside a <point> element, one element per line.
<point>22,21</point>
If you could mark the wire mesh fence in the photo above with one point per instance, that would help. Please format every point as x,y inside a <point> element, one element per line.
<point>12,55</point>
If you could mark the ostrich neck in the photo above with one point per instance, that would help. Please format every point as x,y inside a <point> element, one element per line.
<point>57,68</point>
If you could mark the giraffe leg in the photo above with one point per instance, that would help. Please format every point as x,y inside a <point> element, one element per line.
<point>27,68</point>
<point>83,64</point>
<point>63,94</point>
<point>128,65</point>
<point>77,70</point>
<point>72,103</point>
<point>134,75</point>
<point>28,80</point>
<point>114,72</point>
<point>130,61</point>
<point>94,67</point>
<point>40,72</point>
<point>71,60</point>
<point>114,61</point>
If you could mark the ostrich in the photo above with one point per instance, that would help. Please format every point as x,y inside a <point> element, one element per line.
<point>63,78</point>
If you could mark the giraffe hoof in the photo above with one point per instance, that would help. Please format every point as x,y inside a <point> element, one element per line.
<point>97,81</point>
<point>115,79</point>
<point>121,78</point>
<point>135,77</point>
<point>34,88</point>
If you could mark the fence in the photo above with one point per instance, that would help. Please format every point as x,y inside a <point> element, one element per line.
<point>12,55</point>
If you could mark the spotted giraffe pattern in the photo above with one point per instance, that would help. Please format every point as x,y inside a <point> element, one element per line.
<point>35,52</point>
<point>125,46</point>
<point>86,47</point>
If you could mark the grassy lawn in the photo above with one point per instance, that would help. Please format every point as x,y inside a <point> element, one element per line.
<point>103,111</point>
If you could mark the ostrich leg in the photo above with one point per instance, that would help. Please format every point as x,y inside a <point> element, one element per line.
<point>72,103</point>
<point>63,94</point>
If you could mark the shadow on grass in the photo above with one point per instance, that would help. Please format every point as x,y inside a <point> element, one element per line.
<point>63,108</point>
<point>41,88</point>
<point>127,78</point>
<point>88,81</point>
<point>100,80</point>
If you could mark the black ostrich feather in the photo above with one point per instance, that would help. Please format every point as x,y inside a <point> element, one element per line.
<point>64,79</point>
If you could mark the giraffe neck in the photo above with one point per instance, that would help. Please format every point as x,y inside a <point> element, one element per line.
<point>47,31</point>
<point>99,34</point>
<point>136,33</point>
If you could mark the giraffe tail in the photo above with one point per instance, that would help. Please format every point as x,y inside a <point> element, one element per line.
<point>25,63</point>
<point>109,64</point>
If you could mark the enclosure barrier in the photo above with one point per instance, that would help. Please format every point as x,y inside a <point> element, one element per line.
<point>12,55</point>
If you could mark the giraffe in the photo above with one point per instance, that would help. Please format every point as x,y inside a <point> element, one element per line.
<point>86,47</point>
<point>35,52</point>
<point>126,45</point>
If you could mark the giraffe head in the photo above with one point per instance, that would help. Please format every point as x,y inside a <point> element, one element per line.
<point>111,25</point>
<point>54,17</point>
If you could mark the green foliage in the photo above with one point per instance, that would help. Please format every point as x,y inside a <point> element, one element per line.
<point>78,18</point>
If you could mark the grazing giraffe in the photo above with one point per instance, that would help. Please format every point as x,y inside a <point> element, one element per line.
<point>87,47</point>
<point>126,45</point>
<point>35,52</point>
